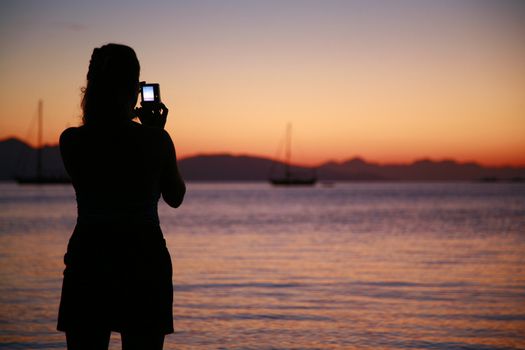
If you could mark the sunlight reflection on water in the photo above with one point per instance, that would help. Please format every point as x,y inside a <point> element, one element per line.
<point>410,266</point>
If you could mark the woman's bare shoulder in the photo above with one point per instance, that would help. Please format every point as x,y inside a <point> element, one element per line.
<point>70,135</point>
<point>165,135</point>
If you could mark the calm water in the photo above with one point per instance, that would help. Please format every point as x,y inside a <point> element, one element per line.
<point>356,266</point>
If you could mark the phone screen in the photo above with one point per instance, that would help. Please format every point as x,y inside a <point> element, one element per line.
<point>148,93</point>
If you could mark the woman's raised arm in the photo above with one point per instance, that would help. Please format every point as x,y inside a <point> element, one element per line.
<point>172,184</point>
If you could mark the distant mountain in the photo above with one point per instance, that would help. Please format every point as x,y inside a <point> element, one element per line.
<point>17,158</point>
<point>422,170</point>
<point>225,167</point>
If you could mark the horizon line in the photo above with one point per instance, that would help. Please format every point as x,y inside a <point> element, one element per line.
<point>329,160</point>
<point>356,157</point>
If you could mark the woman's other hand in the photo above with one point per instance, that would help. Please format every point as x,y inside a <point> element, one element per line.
<point>153,114</point>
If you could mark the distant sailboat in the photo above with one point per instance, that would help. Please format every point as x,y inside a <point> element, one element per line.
<point>290,179</point>
<point>40,178</point>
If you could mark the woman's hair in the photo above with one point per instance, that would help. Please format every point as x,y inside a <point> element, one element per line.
<point>112,84</point>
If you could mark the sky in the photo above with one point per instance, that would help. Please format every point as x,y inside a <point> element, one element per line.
<point>389,81</point>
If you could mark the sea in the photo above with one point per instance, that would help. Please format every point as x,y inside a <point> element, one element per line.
<point>335,266</point>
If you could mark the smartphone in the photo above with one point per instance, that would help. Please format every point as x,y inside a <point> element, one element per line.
<point>150,93</point>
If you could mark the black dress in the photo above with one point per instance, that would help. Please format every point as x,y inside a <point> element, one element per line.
<point>118,273</point>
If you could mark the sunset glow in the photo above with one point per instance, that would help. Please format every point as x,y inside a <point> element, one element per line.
<point>389,81</point>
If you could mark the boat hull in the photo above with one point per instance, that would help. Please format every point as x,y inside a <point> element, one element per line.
<point>42,180</point>
<point>293,182</point>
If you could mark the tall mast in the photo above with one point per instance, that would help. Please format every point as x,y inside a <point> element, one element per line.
<point>39,142</point>
<point>288,149</point>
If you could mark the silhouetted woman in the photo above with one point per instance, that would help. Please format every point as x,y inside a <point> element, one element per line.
<point>118,270</point>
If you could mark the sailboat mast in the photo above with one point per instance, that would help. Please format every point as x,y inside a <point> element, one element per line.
<point>288,150</point>
<point>289,178</point>
<point>39,142</point>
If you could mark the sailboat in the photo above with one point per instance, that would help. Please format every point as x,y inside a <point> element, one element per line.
<point>40,178</point>
<point>290,179</point>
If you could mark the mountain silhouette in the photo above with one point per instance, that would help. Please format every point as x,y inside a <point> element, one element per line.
<point>19,159</point>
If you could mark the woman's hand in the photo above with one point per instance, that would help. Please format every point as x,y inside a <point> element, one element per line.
<point>152,114</point>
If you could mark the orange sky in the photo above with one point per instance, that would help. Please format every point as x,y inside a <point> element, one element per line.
<point>391,81</point>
